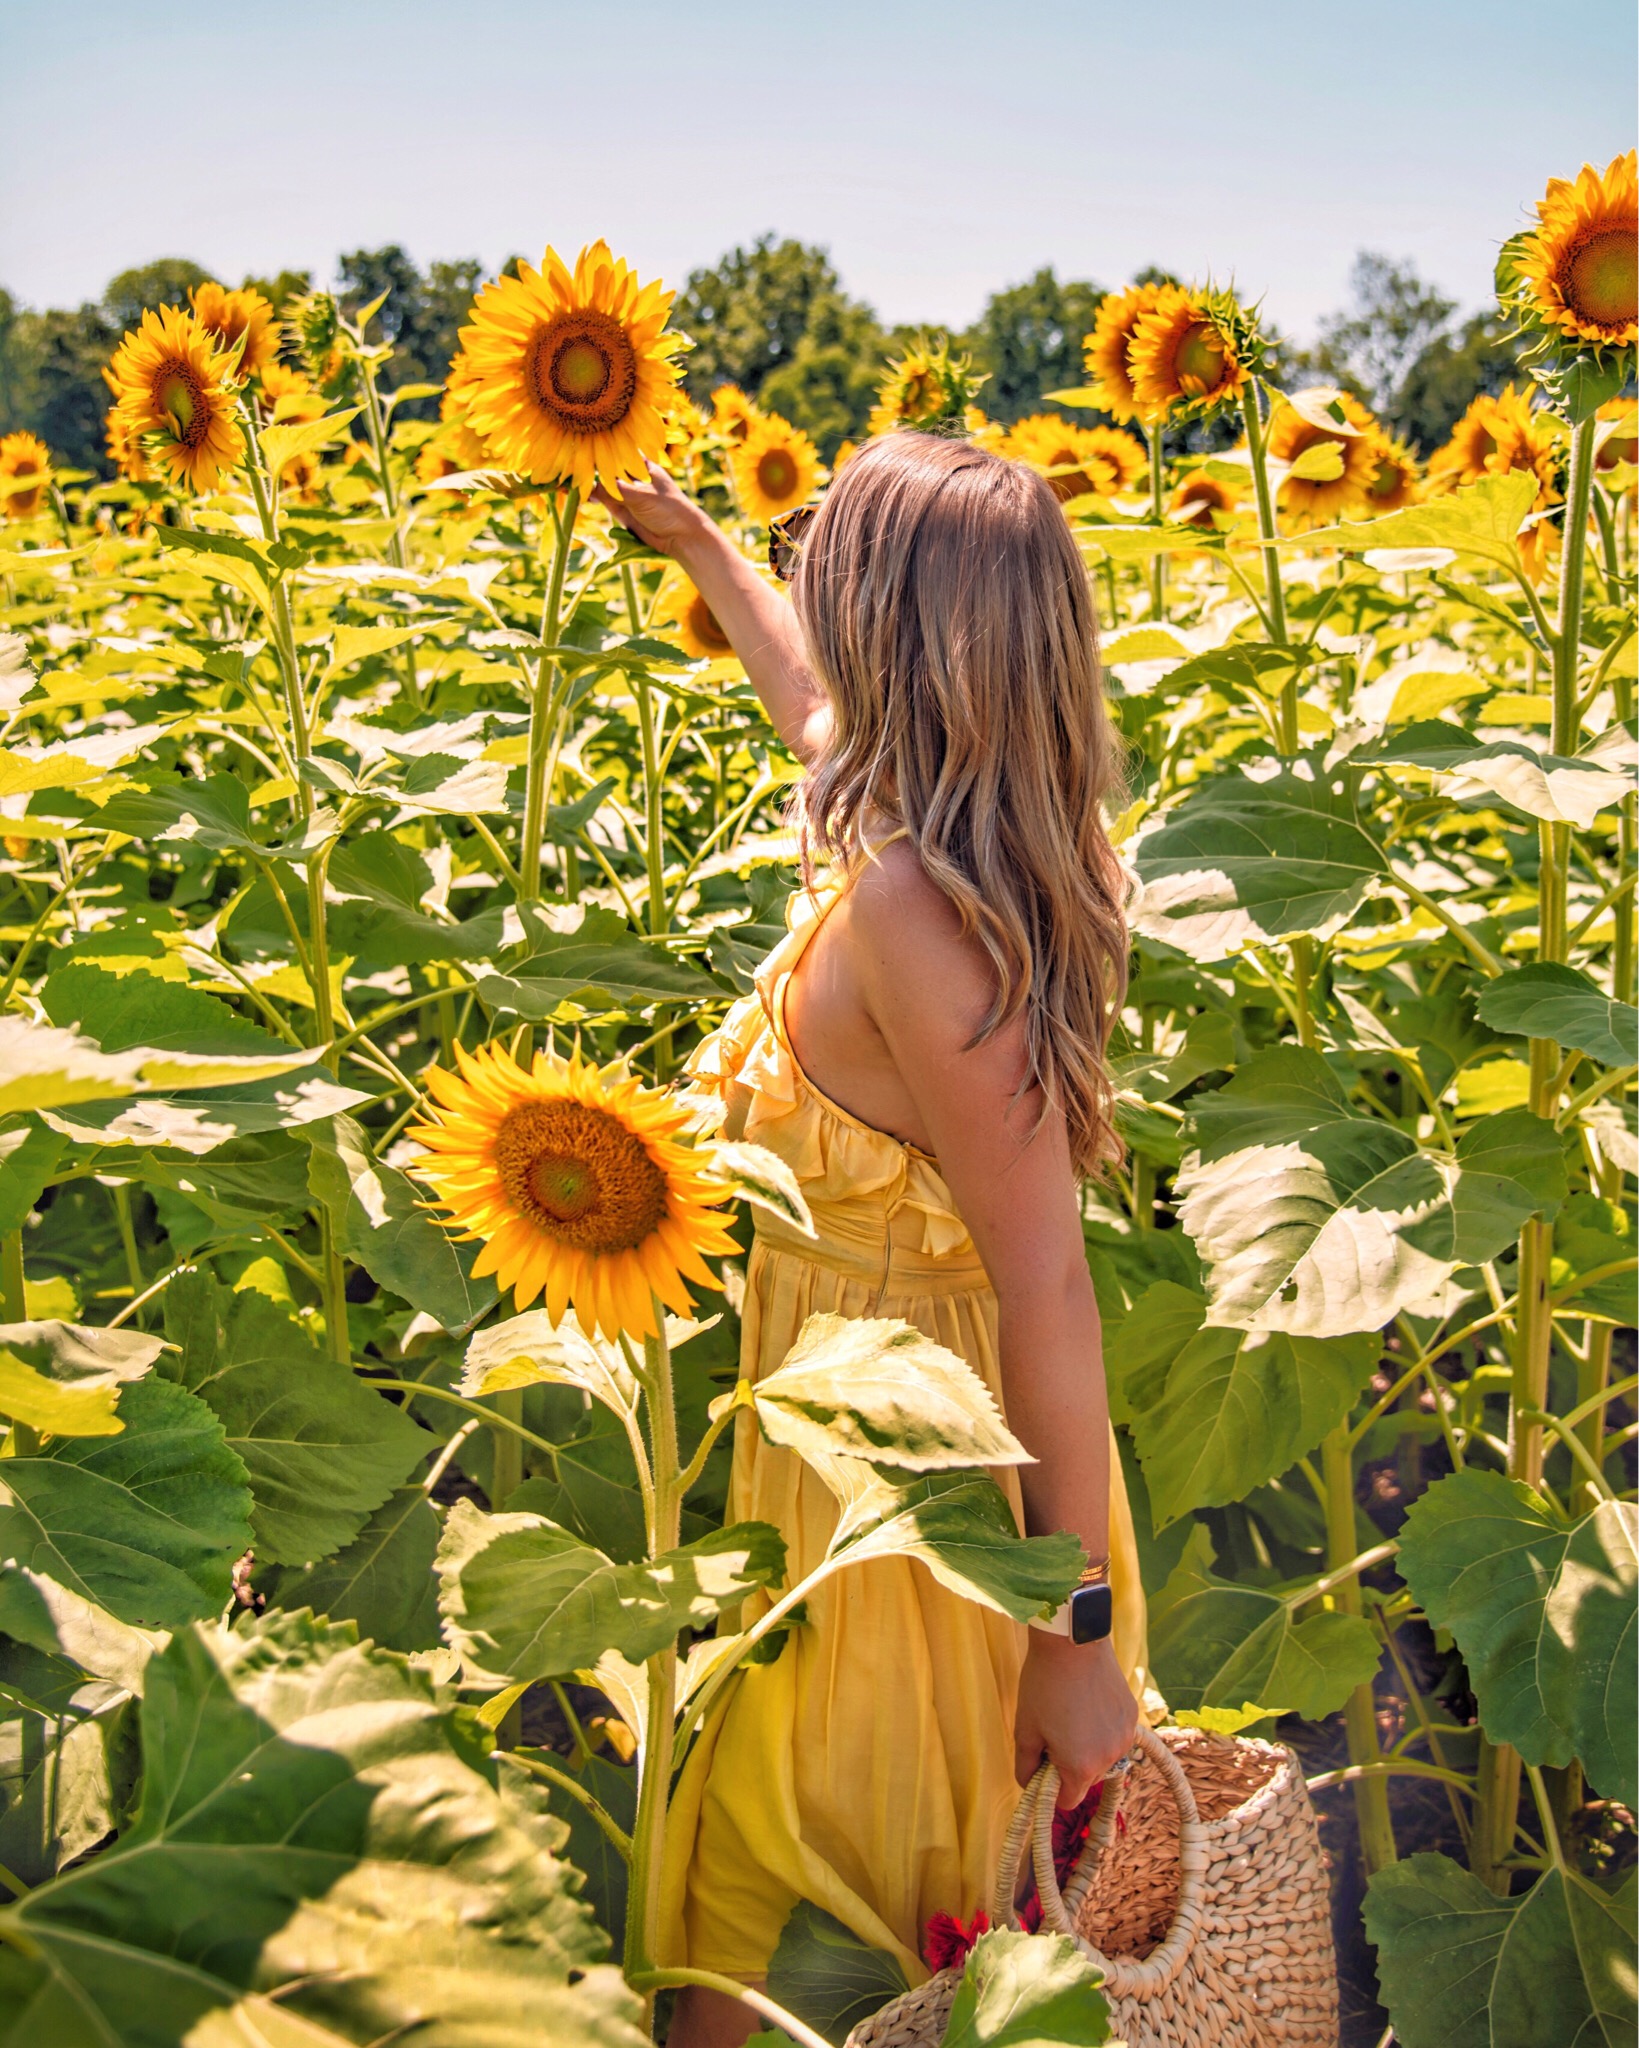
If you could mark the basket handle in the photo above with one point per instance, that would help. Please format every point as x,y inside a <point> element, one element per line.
<point>1124,1977</point>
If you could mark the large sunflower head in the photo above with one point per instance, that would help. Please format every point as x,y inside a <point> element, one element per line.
<point>571,372</point>
<point>1105,350</point>
<point>1198,497</point>
<point>1397,477</point>
<point>1324,420</point>
<point>242,320</point>
<point>1577,269</point>
<point>691,622</point>
<point>171,388</point>
<point>1182,355</point>
<point>732,413</point>
<point>928,386</point>
<point>1068,456</point>
<point>25,475</point>
<point>580,1183</point>
<point>775,467</point>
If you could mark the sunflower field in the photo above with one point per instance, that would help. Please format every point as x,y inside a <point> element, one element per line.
<point>383,827</point>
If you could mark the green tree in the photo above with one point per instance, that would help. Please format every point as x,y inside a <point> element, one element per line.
<point>828,385</point>
<point>280,290</point>
<point>1450,373</point>
<point>1028,341</point>
<point>421,315</point>
<point>166,282</point>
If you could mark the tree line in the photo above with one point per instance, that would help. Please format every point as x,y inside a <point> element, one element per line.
<point>774,319</point>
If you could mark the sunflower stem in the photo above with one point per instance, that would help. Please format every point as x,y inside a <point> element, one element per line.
<point>377,425</point>
<point>542,705</point>
<point>1251,412</point>
<point>654,1787</point>
<point>1158,567</point>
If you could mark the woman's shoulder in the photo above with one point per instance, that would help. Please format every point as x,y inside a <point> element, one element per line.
<point>907,928</point>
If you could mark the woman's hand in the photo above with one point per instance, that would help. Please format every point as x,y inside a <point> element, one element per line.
<point>658,513</point>
<point>1075,1708</point>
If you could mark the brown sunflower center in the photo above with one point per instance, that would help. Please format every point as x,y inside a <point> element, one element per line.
<point>777,473</point>
<point>1204,496</point>
<point>1385,480</point>
<point>180,396</point>
<point>703,624</point>
<point>582,369</point>
<point>1199,361</point>
<point>581,1174</point>
<point>1603,281</point>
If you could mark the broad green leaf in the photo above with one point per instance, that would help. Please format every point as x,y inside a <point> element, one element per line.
<point>531,1350</point>
<point>590,1490</point>
<point>960,1526</point>
<point>1480,519</point>
<point>1141,543</point>
<point>1461,1968</point>
<point>122,1011</point>
<point>1143,643</point>
<point>1543,1613</point>
<point>1216,1644</point>
<point>64,1379</point>
<point>380,921</point>
<point>197,1120</point>
<point>28,1159</point>
<point>284,442</point>
<point>589,1849</point>
<point>763,1179</point>
<point>1233,1408</point>
<point>213,812</point>
<point>1239,862</point>
<point>602,960</point>
<point>1027,1991</point>
<point>1227,1720</point>
<point>58,1797</point>
<point>1546,1000</point>
<point>822,1973</point>
<point>381,1220</point>
<point>383,1581</point>
<point>1558,788</point>
<point>37,1610</point>
<point>43,1068</point>
<point>876,1388</point>
<point>522,1598</point>
<point>310,1830</point>
<point>1319,1221</point>
<point>321,1449</point>
<point>147,1523</point>
<point>358,643</point>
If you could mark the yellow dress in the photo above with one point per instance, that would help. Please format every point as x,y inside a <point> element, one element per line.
<point>869,1769</point>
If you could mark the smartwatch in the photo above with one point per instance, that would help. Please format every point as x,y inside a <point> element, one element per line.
<point>1089,1614</point>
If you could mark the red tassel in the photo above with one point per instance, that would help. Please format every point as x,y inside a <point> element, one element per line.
<point>946,1944</point>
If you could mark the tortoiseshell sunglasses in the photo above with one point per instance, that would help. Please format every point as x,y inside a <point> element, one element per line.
<point>785,532</point>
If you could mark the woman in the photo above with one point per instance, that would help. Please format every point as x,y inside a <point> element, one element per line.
<point>926,1049</point>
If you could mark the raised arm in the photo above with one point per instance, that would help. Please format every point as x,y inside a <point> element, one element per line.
<point>927,987</point>
<point>760,624</point>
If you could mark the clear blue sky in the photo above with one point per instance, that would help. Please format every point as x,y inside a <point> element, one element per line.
<point>938,148</point>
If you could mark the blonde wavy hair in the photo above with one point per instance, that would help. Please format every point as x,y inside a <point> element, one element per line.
<point>949,620</point>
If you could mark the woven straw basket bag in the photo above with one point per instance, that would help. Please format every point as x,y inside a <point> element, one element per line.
<point>1212,1920</point>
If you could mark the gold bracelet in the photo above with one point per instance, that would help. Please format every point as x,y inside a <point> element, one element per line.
<point>1095,1574</point>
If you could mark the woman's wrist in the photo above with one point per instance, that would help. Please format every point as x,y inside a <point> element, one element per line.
<point>700,540</point>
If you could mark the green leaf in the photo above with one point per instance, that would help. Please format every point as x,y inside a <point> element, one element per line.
<point>1558,788</point>
<point>1319,1221</point>
<point>124,1010</point>
<point>531,1350</point>
<point>1546,1000</point>
<point>960,1526</point>
<point>198,1120</point>
<point>147,1523</point>
<point>1026,1991</point>
<point>310,1830</point>
<point>1481,519</point>
<point>321,1449</point>
<point>49,1617</point>
<point>381,922</point>
<point>43,1068</point>
<point>1216,1644</point>
<point>381,1221</point>
<point>1224,1411</point>
<point>1543,1613</point>
<point>64,1379</point>
<point>28,1159</point>
<point>602,960</point>
<point>590,1850</point>
<point>213,812</point>
<point>763,1179</point>
<point>824,1975</point>
<point>283,443</point>
<point>876,1388</point>
<point>522,1598</point>
<point>59,1800</point>
<point>1238,862</point>
<point>1461,1968</point>
<point>382,1581</point>
<point>1141,543</point>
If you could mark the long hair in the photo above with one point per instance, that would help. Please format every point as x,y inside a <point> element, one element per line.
<point>949,620</point>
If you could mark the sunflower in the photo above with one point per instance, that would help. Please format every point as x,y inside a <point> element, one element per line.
<point>1180,355</point>
<point>23,455</point>
<point>912,394</point>
<point>1623,444</point>
<point>1198,497</point>
<point>1106,349</point>
<point>1394,482</point>
<point>1125,454</point>
<point>125,451</point>
<point>692,621</point>
<point>1066,455</point>
<point>232,315</point>
<point>572,373</point>
<point>732,413</point>
<point>1312,501</point>
<point>290,394</point>
<point>169,380</point>
<point>1578,266</point>
<point>1474,440</point>
<point>301,480</point>
<point>775,467</point>
<point>577,1180</point>
<point>988,434</point>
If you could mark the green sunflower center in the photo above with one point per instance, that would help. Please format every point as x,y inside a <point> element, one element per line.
<point>181,398</point>
<point>777,473</point>
<point>1604,279</point>
<point>582,371</point>
<point>1199,362</point>
<point>581,1174</point>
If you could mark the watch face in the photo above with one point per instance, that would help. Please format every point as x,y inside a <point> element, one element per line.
<point>1092,1614</point>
